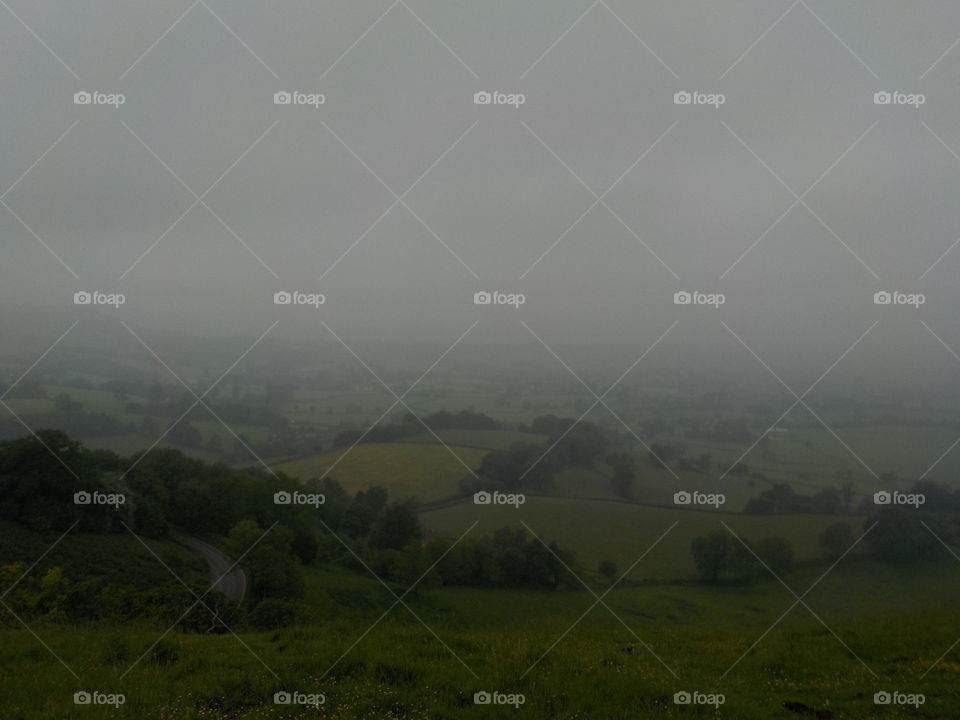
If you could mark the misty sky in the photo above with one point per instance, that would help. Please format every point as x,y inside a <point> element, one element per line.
<point>495,197</point>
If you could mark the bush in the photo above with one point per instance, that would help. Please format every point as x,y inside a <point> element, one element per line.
<point>271,614</point>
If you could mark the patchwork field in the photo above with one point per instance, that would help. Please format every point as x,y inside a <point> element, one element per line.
<point>605,530</point>
<point>426,472</point>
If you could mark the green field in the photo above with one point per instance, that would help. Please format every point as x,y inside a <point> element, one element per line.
<point>524,642</point>
<point>426,472</point>
<point>602,530</point>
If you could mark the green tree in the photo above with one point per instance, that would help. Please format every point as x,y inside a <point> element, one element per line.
<point>720,556</point>
<point>396,526</point>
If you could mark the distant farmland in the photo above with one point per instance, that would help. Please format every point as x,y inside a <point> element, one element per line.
<point>426,472</point>
<point>607,530</point>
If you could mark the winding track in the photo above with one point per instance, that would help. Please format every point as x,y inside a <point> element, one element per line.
<point>231,582</point>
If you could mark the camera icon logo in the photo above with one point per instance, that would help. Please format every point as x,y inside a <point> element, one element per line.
<point>682,98</point>
<point>282,297</point>
<point>82,297</point>
<point>682,298</point>
<point>882,98</point>
<point>882,298</point>
<point>882,698</point>
<point>282,98</point>
<point>482,498</point>
<point>682,698</point>
<point>882,498</point>
<point>82,498</point>
<point>682,498</point>
<point>482,98</point>
<point>282,697</point>
<point>82,98</point>
<point>282,497</point>
<point>482,698</point>
<point>82,697</point>
<point>482,298</point>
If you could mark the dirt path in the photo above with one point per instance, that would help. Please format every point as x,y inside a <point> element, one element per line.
<point>233,584</point>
